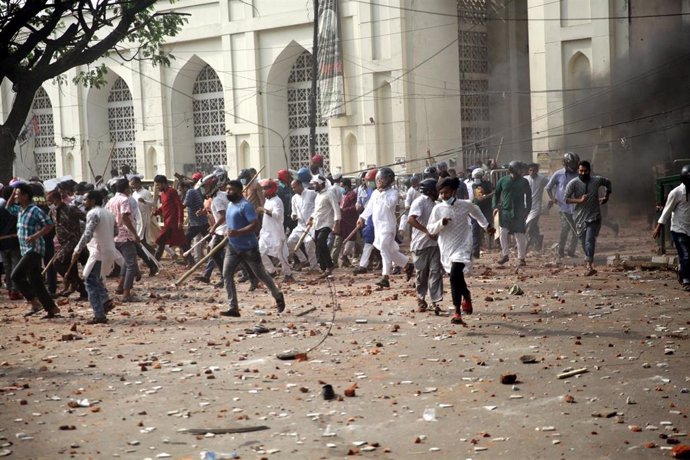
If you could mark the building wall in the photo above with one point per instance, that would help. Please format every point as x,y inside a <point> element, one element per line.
<point>569,58</point>
<point>389,53</point>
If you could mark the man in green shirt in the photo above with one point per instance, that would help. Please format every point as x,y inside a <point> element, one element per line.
<point>512,202</point>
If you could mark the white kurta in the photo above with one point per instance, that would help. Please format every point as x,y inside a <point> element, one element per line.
<point>537,186</point>
<point>455,238</point>
<point>145,225</point>
<point>102,244</point>
<point>381,208</point>
<point>272,235</point>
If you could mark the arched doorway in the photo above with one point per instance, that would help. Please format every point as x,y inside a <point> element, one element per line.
<point>350,155</point>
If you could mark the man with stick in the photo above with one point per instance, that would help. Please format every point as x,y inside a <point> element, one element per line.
<point>242,224</point>
<point>145,226</point>
<point>556,191</point>
<point>302,209</point>
<point>32,225</point>
<point>98,237</point>
<point>67,220</point>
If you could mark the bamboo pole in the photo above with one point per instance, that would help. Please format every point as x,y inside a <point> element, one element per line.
<point>50,262</point>
<point>189,251</point>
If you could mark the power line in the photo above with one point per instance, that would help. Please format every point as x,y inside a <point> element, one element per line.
<point>489,18</point>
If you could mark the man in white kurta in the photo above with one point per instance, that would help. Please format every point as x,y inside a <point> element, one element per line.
<point>381,207</point>
<point>302,209</point>
<point>272,235</point>
<point>98,237</point>
<point>537,184</point>
<point>449,220</point>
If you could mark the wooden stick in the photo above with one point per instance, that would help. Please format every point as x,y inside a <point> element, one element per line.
<point>189,251</point>
<point>217,248</point>
<point>91,168</point>
<point>572,373</point>
<point>107,162</point>
<point>202,261</point>
<point>301,238</point>
<point>6,237</point>
<point>50,262</point>
<point>352,234</point>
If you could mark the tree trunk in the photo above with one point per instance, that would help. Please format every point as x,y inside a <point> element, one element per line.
<point>10,130</point>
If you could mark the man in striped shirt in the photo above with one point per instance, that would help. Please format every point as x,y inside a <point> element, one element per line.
<point>32,225</point>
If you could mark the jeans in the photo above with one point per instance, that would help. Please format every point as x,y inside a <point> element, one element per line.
<point>217,259</point>
<point>567,228</point>
<point>427,263</point>
<point>10,259</point>
<point>458,286</point>
<point>28,279</point>
<point>98,295</point>
<point>252,259</point>
<point>588,238</point>
<point>323,255</point>
<point>128,272</point>
<point>682,242</point>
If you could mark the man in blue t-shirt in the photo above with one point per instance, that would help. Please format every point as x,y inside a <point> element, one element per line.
<point>242,224</point>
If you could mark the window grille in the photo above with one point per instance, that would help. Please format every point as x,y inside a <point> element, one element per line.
<point>44,141</point>
<point>299,92</point>
<point>208,108</point>
<point>121,126</point>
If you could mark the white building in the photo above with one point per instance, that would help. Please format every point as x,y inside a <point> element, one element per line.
<point>460,79</point>
<point>237,95</point>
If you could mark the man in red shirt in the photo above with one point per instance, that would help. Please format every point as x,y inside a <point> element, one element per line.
<point>173,217</point>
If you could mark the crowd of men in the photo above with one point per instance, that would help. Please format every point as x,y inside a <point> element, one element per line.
<point>304,220</point>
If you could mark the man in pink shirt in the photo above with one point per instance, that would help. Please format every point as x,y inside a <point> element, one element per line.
<point>126,239</point>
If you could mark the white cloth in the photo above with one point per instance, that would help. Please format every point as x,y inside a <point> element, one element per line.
<point>218,205</point>
<point>421,209</point>
<point>677,209</point>
<point>272,234</point>
<point>326,210</point>
<point>145,227</point>
<point>455,238</point>
<point>303,207</point>
<point>520,241</point>
<point>102,244</point>
<point>537,184</point>
<point>381,207</point>
<point>468,185</point>
<point>411,195</point>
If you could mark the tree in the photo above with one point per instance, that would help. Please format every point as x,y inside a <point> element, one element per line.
<point>40,40</point>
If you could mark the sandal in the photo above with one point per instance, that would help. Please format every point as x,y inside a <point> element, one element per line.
<point>457,319</point>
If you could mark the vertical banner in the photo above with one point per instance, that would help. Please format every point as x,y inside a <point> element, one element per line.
<point>330,61</point>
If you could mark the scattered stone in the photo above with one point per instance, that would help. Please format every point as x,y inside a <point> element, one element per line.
<point>508,379</point>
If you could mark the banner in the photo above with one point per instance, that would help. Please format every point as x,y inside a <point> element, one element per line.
<point>330,61</point>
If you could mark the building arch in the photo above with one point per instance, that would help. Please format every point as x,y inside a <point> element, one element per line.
<point>244,156</point>
<point>578,113</point>
<point>350,154</point>
<point>99,143</point>
<point>151,162</point>
<point>198,118</point>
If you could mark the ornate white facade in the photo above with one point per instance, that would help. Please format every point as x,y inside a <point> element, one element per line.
<point>236,94</point>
